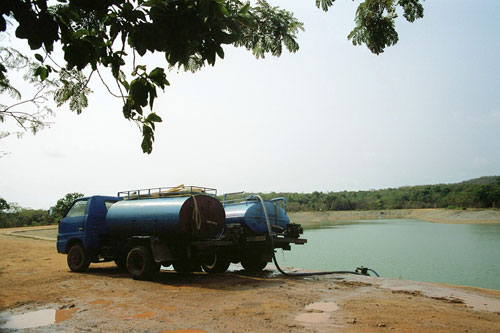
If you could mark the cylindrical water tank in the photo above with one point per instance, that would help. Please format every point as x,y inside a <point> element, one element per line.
<point>250,214</point>
<point>198,216</point>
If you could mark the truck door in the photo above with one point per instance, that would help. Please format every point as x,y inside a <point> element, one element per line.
<point>72,224</point>
<point>95,226</point>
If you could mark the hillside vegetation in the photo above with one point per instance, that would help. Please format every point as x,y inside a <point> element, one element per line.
<point>481,192</point>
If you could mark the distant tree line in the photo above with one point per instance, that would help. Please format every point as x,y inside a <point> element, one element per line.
<point>12,215</point>
<point>481,192</point>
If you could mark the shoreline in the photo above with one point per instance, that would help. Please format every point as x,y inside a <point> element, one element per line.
<point>435,215</point>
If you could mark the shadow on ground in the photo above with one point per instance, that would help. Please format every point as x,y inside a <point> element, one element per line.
<point>237,280</point>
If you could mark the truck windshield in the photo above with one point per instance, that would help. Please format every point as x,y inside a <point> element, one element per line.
<point>78,209</point>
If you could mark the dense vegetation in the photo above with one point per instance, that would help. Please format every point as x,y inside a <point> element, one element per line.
<point>17,216</point>
<point>12,215</point>
<point>481,192</point>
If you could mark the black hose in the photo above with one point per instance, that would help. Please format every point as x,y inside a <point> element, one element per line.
<point>316,273</point>
<point>363,270</point>
<point>371,270</point>
<point>359,271</point>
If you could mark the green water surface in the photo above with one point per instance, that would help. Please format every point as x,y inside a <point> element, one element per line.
<point>463,254</point>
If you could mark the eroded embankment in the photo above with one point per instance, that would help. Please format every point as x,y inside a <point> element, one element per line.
<point>431,215</point>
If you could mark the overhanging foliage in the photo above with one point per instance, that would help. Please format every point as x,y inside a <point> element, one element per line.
<point>96,34</point>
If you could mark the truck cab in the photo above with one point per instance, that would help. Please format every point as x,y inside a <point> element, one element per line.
<point>82,228</point>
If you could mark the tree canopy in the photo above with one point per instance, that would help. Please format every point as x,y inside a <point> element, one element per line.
<point>97,35</point>
<point>4,206</point>
<point>63,204</point>
<point>481,192</point>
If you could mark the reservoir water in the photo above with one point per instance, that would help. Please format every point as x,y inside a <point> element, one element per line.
<point>463,254</point>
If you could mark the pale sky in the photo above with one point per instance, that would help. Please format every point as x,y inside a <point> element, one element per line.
<point>331,117</point>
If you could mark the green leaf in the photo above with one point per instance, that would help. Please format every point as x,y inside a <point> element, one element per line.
<point>41,72</point>
<point>139,89</point>
<point>80,33</point>
<point>211,57</point>
<point>125,84</point>
<point>245,8</point>
<point>38,57</point>
<point>153,118</point>
<point>147,139</point>
<point>3,24</point>
<point>158,77</point>
<point>220,52</point>
<point>224,10</point>
<point>136,69</point>
<point>127,109</point>
<point>139,14</point>
<point>114,30</point>
<point>324,4</point>
<point>152,95</point>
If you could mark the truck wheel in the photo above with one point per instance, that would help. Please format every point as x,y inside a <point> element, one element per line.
<point>253,264</point>
<point>218,265</point>
<point>140,263</point>
<point>186,267</point>
<point>78,261</point>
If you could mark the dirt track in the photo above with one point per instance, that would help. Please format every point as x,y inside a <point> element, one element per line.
<point>33,276</point>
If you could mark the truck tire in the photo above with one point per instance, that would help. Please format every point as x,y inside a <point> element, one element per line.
<point>140,263</point>
<point>218,265</point>
<point>253,263</point>
<point>77,259</point>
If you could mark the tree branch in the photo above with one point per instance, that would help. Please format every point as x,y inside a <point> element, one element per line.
<point>109,90</point>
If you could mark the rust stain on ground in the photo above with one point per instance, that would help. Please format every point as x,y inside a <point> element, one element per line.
<point>185,288</point>
<point>185,330</point>
<point>101,302</point>
<point>145,315</point>
<point>65,314</point>
<point>165,307</point>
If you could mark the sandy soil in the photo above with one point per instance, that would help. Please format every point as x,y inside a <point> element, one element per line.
<point>33,276</point>
<point>430,215</point>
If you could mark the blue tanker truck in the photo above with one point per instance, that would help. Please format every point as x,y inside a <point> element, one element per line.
<point>252,221</point>
<point>184,226</point>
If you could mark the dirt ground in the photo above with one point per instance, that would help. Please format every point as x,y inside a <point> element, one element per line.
<point>33,277</point>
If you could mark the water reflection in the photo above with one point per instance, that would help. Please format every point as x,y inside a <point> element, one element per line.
<point>406,248</point>
<point>37,318</point>
<point>340,224</point>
